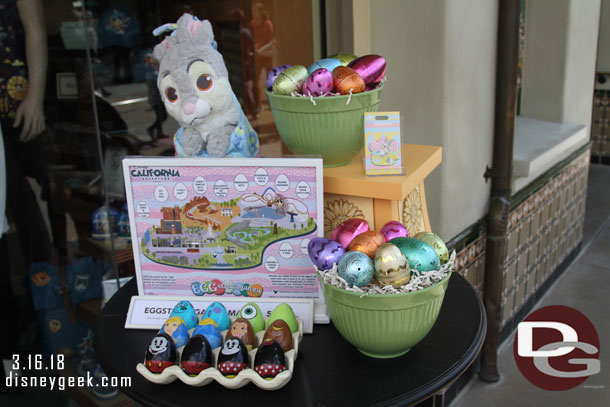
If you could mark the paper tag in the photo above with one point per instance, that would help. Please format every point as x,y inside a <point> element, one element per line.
<point>382,143</point>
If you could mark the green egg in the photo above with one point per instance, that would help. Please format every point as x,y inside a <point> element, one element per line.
<point>285,312</point>
<point>253,313</point>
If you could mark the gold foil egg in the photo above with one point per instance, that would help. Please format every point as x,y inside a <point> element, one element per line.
<point>437,244</point>
<point>391,266</point>
<point>367,243</point>
<point>346,79</point>
<point>290,80</point>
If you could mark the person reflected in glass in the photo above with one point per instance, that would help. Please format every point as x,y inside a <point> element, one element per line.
<point>261,28</point>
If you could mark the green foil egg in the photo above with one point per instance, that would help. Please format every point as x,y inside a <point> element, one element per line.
<point>421,256</point>
<point>285,312</point>
<point>290,80</point>
<point>437,244</point>
<point>344,57</point>
<point>391,266</point>
<point>253,313</point>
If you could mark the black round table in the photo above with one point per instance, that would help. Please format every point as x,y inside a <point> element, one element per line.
<point>328,370</point>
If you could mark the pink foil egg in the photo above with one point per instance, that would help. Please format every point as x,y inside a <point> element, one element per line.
<point>371,68</point>
<point>394,229</point>
<point>348,230</point>
<point>318,83</point>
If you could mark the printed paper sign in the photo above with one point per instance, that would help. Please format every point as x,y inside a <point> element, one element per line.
<point>382,140</point>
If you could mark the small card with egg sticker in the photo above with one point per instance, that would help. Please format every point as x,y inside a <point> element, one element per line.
<point>382,143</point>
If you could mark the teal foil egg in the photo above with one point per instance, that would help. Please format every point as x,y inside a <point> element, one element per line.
<point>356,268</point>
<point>421,255</point>
<point>185,310</point>
<point>219,314</point>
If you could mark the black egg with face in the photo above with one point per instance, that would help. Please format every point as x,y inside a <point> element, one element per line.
<point>233,357</point>
<point>269,360</point>
<point>161,353</point>
<point>196,356</point>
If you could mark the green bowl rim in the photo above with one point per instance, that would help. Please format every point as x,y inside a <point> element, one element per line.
<point>333,97</point>
<point>375,295</point>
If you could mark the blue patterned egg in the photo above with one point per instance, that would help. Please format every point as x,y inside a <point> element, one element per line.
<point>208,328</point>
<point>274,74</point>
<point>217,312</point>
<point>185,310</point>
<point>421,256</point>
<point>356,268</point>
<point>326,63</point>
<point>176,329</point>
<point>318,83</point>
<point>324,253</point>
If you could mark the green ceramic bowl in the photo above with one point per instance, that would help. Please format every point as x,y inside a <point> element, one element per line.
<point>330,128</point>
<point>385,325</point>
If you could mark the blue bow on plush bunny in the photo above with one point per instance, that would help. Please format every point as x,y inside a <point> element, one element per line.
<point>194,85</point>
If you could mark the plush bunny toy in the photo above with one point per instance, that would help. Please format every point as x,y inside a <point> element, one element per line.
<point>195,89</point>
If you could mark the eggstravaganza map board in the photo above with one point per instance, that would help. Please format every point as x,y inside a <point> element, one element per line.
<point>224,227</point>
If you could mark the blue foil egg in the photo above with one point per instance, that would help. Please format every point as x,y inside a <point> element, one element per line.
<point>326,63</point>
<point>185,310</point>
<point>208,328</point>
<point>421,256</point>
<point>324,253</point>
<point>176,329</point>
<point>217,312</point>
<point>356,268</point>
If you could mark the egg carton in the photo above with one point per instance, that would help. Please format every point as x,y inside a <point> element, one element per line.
<point>244,377</point>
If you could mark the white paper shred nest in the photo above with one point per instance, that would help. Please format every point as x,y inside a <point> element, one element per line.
<point>244,377</point>
<point>418,280</point>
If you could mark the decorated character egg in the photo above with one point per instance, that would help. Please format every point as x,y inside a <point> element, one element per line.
<point>242,328</point>
<point>367,242</point>
<point>196,356</point>
<point>290,80</point>
<point>273,74</point>
<point>286,313</point>
<point>232,358</point>
<point>371,68</point>
<point>421,255</point>
<point>253,313</point>
<point>344,57</point>
<point>318,83</point>
<point>219,314</point>
<point>269,360</point>
<point>356,268</point>
<point>394,229</point>
<point>391,266</point>
<point>279,331</point>
<point>347,81</point>
<point>324,252</point>
<point>176,329</point>
<point>437,244</point>
<point>348,230</point>
<point>185,310</point>
<point>161,353</point>
<point>327,63</point>
<point>208,328</point>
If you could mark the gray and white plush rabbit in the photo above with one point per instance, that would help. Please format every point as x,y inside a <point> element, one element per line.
<point>194,86</point>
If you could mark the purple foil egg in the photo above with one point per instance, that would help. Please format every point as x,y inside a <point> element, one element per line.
<point>324,252</point>
<point>348,230</point>
<point>371,68</point>
<point>274,73</point>
<point>394,229</point>
<point>318,83</point>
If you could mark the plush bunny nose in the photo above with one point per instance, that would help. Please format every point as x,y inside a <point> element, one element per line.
<point>189,108</point>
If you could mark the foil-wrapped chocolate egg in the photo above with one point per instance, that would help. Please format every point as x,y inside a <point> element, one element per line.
<point>347,81</point>
<point>371,68</point>
<point>161,353</point>
<point>290,80</point>
<point>318,83</point>
<point>391,266</point>
<point>280,332</point>
<point>273,73</point>
<point>394,229</point>
<point>176,329</point>
<point>324,253</point>
<point>356,268</point>
<point>196,356</point>
<point>367,242</point>
<point>344,57</point>
<point>269,360</point>
<point>326,63</point>
<point>437,244</point>
<point>232,358</point>
<point>242,328</point>
<point>348,230</point>
<point>421,255</point>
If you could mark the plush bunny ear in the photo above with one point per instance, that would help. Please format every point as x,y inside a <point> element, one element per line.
<point>161,49</point>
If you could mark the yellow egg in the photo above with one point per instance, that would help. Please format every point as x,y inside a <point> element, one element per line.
<point>437,244</point>
<point>391,266</point>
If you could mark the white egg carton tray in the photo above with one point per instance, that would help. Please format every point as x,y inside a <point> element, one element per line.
<point>244,377</point>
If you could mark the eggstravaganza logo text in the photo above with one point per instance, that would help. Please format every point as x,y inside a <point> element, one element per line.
<point>154,174</point>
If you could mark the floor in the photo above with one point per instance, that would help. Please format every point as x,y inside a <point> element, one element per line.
<point>584,286</point>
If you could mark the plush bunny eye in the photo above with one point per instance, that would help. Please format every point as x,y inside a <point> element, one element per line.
<point>205,82</point>
<point>171,94</point>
